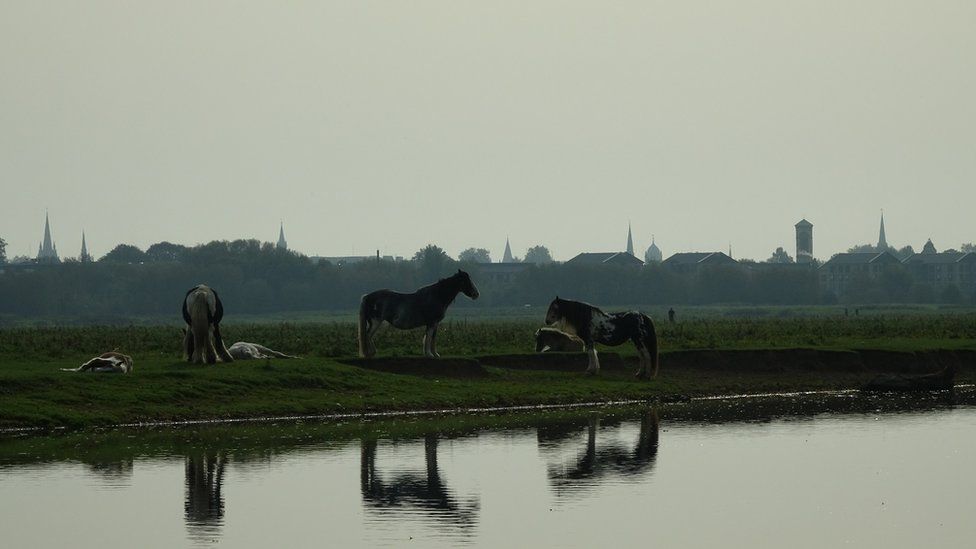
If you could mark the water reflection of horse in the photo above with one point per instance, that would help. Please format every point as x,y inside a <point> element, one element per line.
<point>600,461</point>
<point>425,491</point>
<point>425,307</point>
<point>203,505</point>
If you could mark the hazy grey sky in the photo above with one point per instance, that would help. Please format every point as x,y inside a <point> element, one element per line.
<point>389,125</point>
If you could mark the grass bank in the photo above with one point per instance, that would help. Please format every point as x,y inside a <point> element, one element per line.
<point>707,356</point>
<point>35,393</point>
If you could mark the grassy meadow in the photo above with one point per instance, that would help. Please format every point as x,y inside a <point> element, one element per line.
<point>35,393</point>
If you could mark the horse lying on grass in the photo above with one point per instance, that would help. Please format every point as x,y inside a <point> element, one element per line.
<point>203,311</point>
<point>243,350</point>
<point>593,326</point>
<point>425,307</point>
<point>551,339</point>
<point>105,363</point>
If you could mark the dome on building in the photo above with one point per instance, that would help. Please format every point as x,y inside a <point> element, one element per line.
<point>653,253</point>
<point>929,248</point>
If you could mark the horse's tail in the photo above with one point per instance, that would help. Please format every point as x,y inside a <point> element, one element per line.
<point>199,313</point>
<point>361,335</point>
<point>650,341</point>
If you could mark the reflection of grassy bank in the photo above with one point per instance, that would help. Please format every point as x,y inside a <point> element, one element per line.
<point>35,393</point>
<point>256,441</point>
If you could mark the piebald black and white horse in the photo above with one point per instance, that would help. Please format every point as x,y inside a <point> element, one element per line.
<point>593,326</point>
<point>203,311</point>
<point>425,307</point>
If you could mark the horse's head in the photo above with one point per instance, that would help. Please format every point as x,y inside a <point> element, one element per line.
<point>554,315</point>
<point>467,287</point>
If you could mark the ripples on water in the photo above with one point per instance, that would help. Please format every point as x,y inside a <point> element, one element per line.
<point>808,470</point>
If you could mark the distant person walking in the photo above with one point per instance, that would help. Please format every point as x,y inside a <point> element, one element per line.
<point>671,315</point>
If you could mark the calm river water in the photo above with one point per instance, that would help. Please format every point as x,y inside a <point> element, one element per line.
<point>803,471</point>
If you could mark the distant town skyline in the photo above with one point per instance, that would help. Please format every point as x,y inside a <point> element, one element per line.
<point>392,125</point>
<point>47,248</point>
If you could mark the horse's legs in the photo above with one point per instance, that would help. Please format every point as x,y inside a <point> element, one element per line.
<point>210,353</point>
<point>188,345</point>
<point>593,367</point>
<point>645,358</point>
<point>433,342</point>
<point>373,326</point>
<point>429,341</point>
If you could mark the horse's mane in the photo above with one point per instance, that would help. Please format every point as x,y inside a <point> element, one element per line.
<point>577,306</point>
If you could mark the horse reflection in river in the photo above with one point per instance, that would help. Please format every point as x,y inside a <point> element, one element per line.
<point>424,491</point>
<point>599,461</point>
<point>203,506</point>
<point>425,307</point>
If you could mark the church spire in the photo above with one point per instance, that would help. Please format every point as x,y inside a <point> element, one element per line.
<point>85,257</point>
<point>882,242</point>
<point>47,252</point>
<point>282,243</point>
<point>507,258</point>
<point>630,240</point>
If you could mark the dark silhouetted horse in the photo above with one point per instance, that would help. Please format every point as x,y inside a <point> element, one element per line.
<point>593,326</point>
<point>203,311</point>
<point>425,307</point>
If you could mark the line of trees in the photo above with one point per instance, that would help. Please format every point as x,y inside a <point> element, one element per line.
<point>255,277</point>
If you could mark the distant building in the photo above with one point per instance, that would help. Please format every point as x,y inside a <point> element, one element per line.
<point>498,272</point>
<point>47,252</point>
<point>804,241</point>
<point>882,241</point>
<point>837,273</point>
<point>340,260</point>
<point>940,270</point>
<point>85,257</point>
<point>630,241</point>
<point>507,257</point>
<point>606,258</point>
<point>690,262</point>
<point>653,253</point>
<point>282,243</point>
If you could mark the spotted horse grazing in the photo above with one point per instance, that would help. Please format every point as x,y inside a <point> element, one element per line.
<point>425,307</point>
<point>594,326</point>
<point>203,311</point>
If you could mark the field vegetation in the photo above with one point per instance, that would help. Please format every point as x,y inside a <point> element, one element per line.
<point>35,393</point>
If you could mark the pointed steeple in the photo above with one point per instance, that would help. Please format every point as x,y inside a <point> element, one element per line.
<point>507,258</point>
<point>47,253</point>
<point>84,257</point>
<point>630,240</point>
<point>882,241</point>
<point>282,243</point>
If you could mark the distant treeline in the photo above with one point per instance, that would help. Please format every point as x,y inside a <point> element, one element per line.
<point>252,277</point>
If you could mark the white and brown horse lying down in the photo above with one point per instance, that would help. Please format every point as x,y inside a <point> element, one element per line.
<point>243,350</point>
<point>594,326</point>
<point>551,339</point>
<point>203,311</point>
<point>105,363</point>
